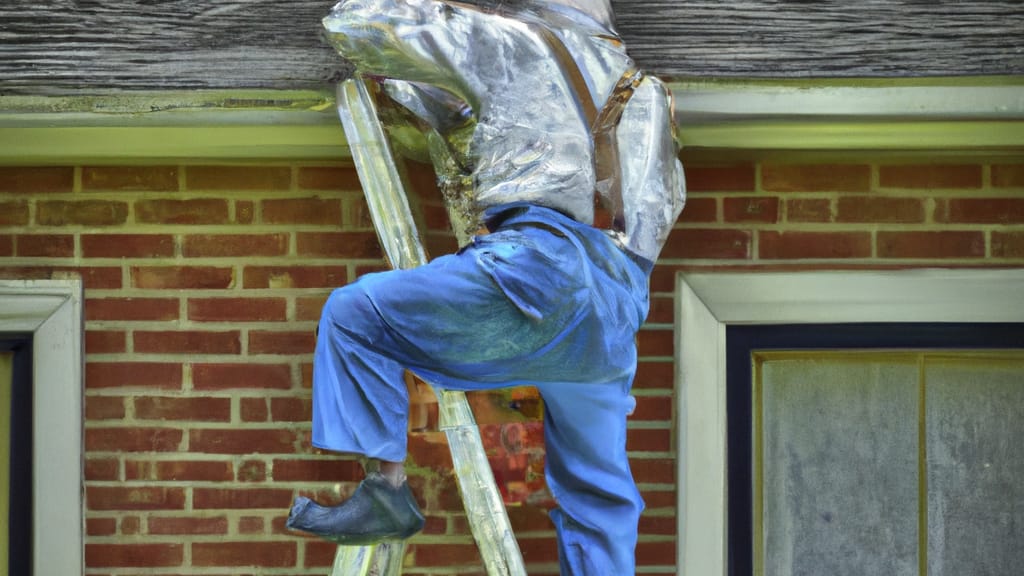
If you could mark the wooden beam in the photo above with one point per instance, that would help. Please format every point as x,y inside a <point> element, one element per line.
<point>69,47</point>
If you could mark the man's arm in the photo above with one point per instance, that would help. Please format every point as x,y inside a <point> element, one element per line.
<point>653,187</point>
<point>415,40</point>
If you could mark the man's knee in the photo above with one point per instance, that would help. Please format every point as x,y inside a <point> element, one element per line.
<point>347,308</point>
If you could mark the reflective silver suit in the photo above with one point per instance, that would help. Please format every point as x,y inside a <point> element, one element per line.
<point>513,101</point>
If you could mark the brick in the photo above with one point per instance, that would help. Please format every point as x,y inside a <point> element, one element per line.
<point>930,176</point>
<point>539,550</point>
<point>653,408</point>
<point>247,441</point>
<point>182,277</point>
<point>302,211</point>
<point>656,553</point>
<point>195,211</point>
<point>179,470</point>
<point>1008,244</point>
<point>133,555</point>
<point>134,498</point>
<point>751,209</point>
<point>229,376</point>
<point>36,179</point>
<point>879,209</point>
<point>198,409</point>
<point>241,498</point>
<point>234,245</point>
<point>131,525</point>
<point>659,498</point>
<point>339,244</point>
<point>649,440</point>
<point>294,276</point>
<point>238,177</point>
<point>255,525</point>
<point>808,210</point>
<point>446,554</point>
<point>328,178</point>
<point>708,243</point>
<point>263,554</point>
<point>97,469</point>
<point>653,470</point>
<point>14,213</point>
<point>291,409</point>
<point>655,343</point>
<point>6,245</point>
<point>134,439</point>
<point>984,210</point>
<point>700,210</point>
<point>438,244</point>
<point>815,177</point>
<point>131,309</point>
<point>662,309</point>
<point>422,178</point>
<point>45,245</point>
<point>187,342</point>
<point>334,470</point>
<point>430,450</point>
<point>436,218</point>
<point>189,525</point>
<point>130,178</point>
<point>160,375</point>
<point>252,471</point>
<point>93,278</point>
<point>81,212</point>
<point>803,245</point>
<point>319,554</point>
<point>736,178</point>
<point>253,409</point>
<point>237,309</point>
<point>104,341</point>
<point>529,519</point>
<point>662,525</point>
<point>127,245</point>
<point>945,244</point>
<point>309,307</point>
<point>265,342</point>
<point>654,375</point>
<point>100,526</point>
<point>1008,175</point>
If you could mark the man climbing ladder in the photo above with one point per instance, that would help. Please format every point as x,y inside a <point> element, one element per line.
<point>532,109</point>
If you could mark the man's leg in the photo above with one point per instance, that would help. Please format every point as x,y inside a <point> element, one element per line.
<point>588,473</point>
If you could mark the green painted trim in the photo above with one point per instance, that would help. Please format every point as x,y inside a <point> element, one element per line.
<point>937,115</point>
<point>149,144</point>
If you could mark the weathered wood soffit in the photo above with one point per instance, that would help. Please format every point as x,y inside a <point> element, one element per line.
<point>745,72</point>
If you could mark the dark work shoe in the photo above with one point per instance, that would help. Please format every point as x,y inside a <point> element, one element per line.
<point>377,511</point>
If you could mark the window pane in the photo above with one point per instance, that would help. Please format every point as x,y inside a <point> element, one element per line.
<point>840,464</point>
<point>975,445</point>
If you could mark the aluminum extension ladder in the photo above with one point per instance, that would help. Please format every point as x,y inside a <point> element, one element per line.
<point>389,208</point>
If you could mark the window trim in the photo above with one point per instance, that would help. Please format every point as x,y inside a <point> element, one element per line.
<point>707,303</point>
<point>51,311</point>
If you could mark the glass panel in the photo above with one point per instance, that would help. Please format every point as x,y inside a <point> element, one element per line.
<point>975,455</point>
<point>840,464</point>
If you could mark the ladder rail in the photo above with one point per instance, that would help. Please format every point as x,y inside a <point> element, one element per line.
<point>389,208</point>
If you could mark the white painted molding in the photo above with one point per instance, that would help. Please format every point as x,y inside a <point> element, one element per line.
<point>707,303</point>
<point>51,310</point>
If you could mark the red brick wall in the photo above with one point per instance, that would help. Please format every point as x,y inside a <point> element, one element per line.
<point>203,285</point>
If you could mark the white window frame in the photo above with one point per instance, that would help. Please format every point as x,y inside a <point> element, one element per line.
<point>707,303</point>
<point>51,311</point>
